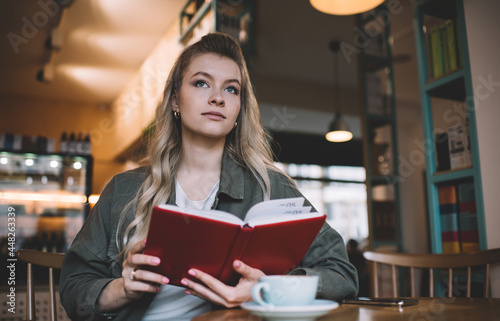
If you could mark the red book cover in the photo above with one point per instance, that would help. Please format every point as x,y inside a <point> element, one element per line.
<point>198,239</point>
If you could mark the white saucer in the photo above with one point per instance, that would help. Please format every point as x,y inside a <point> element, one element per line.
<point>296,313</point>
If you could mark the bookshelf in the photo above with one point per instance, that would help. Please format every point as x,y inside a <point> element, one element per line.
<point>453,175</point>
<point>234,18</point>
<point>380,132</point>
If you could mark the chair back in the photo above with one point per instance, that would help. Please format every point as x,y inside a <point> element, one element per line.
<point>431,262</point>
<point>46,259</point>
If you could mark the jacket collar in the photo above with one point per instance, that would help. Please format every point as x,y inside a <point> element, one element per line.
<point>232,178</point>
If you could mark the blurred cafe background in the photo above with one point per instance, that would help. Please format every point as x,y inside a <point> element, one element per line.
<point>416,83</point>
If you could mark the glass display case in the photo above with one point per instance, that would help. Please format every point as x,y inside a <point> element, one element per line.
<point>43,200</point>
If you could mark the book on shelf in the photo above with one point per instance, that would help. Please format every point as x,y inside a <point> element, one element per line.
<point>467,218</point>
<point>442,152</point>
<point>436,52</point>
<point>457,38</point>
<point>468,147</point>
<point>458,217</point>
<point>274,237</point>
<point>384,220</point>
<point>448,214</point>
<point>443,48</point>
<point>443,34</point>
<point>375,96</point>
<point>458,149</point>
<point>451,43</point>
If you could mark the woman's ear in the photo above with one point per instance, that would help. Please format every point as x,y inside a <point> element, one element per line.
<point>175,101</point>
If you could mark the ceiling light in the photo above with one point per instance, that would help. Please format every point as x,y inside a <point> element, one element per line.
<point>338,131</point>
<point>343,7</point>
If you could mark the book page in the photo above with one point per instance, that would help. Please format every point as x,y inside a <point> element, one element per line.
<point>210,214</point>
<point>270,219</point>
<point>274,206</point>
<point>277,210</point>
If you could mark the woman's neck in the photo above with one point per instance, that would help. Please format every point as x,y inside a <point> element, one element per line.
<point>204,158</point>
<point>199,169</point>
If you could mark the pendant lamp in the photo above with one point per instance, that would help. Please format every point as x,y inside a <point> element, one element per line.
<point>338,131</point>
<point>344,7</point>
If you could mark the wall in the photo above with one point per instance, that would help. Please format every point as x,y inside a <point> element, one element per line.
<point>415,226</point>
<point>482,34</point>
<point>306,95</point>
<point>112,128</point>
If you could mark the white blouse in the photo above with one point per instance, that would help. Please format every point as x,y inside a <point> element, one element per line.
<point>172,303</point>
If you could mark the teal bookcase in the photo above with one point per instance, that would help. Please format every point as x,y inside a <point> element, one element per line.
<point>447,104</point>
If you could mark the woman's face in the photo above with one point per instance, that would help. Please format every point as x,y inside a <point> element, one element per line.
<point>209,97</point>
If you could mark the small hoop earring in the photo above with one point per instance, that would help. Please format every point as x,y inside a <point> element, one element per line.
<point>177,115</point>
<point>235,124</point>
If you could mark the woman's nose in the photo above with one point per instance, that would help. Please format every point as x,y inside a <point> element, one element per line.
<point>217,100</point>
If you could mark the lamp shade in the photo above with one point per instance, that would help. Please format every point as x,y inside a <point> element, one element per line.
<point>338,131</point>
<point>344,7</point>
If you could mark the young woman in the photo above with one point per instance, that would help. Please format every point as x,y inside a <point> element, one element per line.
<point>209,151</point>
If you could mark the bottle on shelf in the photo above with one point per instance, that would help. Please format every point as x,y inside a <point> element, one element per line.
<point>87,145</point>
<point>64,143</point>
<point>79,144</point>
<point>72,143</point>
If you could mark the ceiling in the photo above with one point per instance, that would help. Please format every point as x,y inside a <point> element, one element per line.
<point>104,42</point>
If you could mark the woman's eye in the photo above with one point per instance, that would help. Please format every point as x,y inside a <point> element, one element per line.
<point>232,90</point>
<point>200,83</point>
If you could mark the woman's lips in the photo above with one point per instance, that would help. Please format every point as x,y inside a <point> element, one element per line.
<point>214,116</point>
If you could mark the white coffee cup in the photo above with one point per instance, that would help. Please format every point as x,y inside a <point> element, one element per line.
<point>285,290</point>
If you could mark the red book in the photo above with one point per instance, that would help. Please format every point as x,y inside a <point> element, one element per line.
<point>274,238</point>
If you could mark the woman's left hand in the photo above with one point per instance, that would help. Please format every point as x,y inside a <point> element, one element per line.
<point>219,293</point>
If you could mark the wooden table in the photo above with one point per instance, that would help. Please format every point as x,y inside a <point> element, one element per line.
<point>428,309</point>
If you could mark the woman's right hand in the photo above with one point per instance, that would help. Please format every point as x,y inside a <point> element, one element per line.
<point>137,281</point>
<point>133,283</point>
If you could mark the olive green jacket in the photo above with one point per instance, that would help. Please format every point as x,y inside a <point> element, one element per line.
<point>92,260</point>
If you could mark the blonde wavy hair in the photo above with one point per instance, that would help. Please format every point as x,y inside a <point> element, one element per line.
<point>247,144</point>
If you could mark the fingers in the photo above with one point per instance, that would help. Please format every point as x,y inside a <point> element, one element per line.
<point>139,275</point>
<point>135,257</point>
<point>246,271</point>
<point>136,280</point>
<point>138,247</point>
<point>135,260</point>
<point>214,290</point>
<point>218,292</point>
<point>207,279</point>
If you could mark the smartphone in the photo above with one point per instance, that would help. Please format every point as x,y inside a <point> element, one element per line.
<point>393,302</point>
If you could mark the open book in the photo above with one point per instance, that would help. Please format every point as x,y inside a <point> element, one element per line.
<point>274,238</point>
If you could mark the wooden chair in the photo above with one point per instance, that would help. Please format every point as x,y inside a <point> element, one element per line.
<point>46,259</point>
<point>431,262</point>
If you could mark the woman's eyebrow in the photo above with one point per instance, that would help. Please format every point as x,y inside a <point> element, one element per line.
<point>209,76</point>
